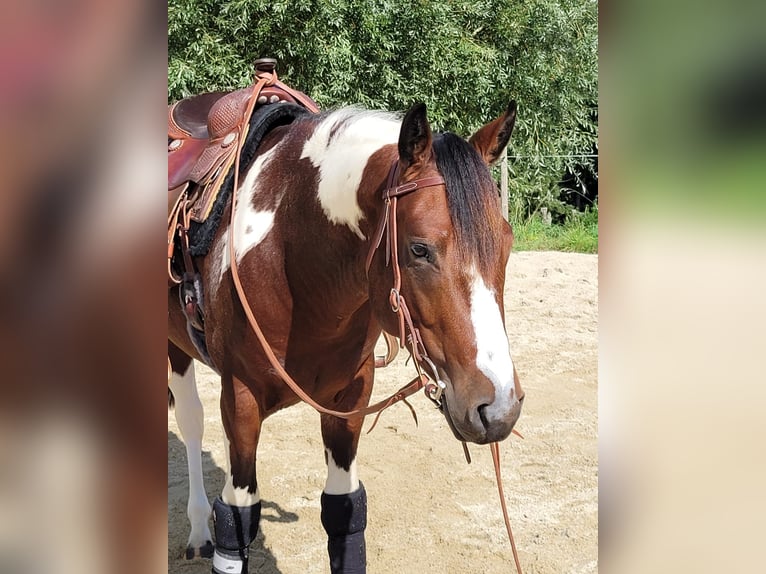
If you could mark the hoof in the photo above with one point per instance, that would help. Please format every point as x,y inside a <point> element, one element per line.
<point>205,551</point>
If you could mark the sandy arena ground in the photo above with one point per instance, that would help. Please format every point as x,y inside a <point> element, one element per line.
<point>430,512</point>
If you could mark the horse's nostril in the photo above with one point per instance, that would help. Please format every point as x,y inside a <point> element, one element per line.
<point>483,415</point>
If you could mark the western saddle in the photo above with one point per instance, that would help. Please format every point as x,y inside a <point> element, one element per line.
<point>205,136</point>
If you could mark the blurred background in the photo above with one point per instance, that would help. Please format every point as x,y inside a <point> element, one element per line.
<point>682,283</point>
<point>82,321</point>
<point>681,240</point>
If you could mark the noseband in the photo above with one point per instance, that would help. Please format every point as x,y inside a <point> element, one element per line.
<point>409,336</point>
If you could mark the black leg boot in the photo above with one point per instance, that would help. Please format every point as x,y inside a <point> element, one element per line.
<point>344,517</point>
<point>235,528</point>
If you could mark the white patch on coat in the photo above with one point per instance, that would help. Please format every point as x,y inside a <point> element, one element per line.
<point>340,481</point>
<point>235,495</point>
<point>220,260</point>
<point>341,159</point>
<point>238,496</point>
<point>493,357</point>
<point>250,225</point>
<point>190,418</point>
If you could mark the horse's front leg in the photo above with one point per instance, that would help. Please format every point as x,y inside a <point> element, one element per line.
<point>344,500</point>
<point>237,512</point>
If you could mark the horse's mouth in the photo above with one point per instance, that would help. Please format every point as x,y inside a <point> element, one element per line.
<point>445,411</point>
<point>478,435</point>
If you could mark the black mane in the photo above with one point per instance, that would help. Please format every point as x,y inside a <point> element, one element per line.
<point>471,194</point>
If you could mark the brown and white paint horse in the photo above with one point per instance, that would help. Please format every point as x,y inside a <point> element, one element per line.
<point>307,210</point>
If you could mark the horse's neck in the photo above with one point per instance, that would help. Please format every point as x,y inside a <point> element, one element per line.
<point>330,245</point>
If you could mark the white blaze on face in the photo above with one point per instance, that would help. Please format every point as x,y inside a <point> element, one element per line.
<point>493,357</point>
<point>340,147</point>
<point>340,481</point>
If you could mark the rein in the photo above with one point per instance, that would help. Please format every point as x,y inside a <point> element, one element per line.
<point>409,336</point>
<point>419,382</point>
<point>495,448</point>
<point>413,341</point>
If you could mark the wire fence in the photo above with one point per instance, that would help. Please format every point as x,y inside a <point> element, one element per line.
<point>504,172</point>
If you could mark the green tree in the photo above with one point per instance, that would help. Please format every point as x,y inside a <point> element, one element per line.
<point>464,59</point>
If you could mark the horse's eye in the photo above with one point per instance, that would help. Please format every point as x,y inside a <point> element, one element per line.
<point>419,250</point>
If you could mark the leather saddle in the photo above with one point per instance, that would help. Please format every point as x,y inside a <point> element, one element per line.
<point>205,133</point>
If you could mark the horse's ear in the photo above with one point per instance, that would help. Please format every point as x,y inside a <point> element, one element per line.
<point>415,138</point>
<point>490,141</point>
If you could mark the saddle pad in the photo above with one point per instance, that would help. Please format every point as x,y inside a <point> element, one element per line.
<point>263,120</point>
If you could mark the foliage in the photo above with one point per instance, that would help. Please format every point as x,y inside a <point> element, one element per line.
<point>578,233</point>
<point>466,59</point>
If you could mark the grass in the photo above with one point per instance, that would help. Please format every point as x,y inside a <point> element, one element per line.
<point>578,234</point>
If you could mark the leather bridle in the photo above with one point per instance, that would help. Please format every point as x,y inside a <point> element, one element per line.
<point>387,223</point>
<point>409,336</point>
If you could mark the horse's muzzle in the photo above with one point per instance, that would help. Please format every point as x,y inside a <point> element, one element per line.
<point>474,425</point>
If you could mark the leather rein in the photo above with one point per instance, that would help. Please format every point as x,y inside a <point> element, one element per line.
<point>388,220</point>
<point>409,335</point>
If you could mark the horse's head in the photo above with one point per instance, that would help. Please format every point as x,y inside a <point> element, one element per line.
<point>453,246</point>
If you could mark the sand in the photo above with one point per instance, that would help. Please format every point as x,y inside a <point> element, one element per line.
<point>430,512</point>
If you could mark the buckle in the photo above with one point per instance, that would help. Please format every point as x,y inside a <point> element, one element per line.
<point>394,299</point>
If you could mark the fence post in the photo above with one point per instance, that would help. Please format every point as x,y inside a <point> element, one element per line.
<point>504,186</point>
